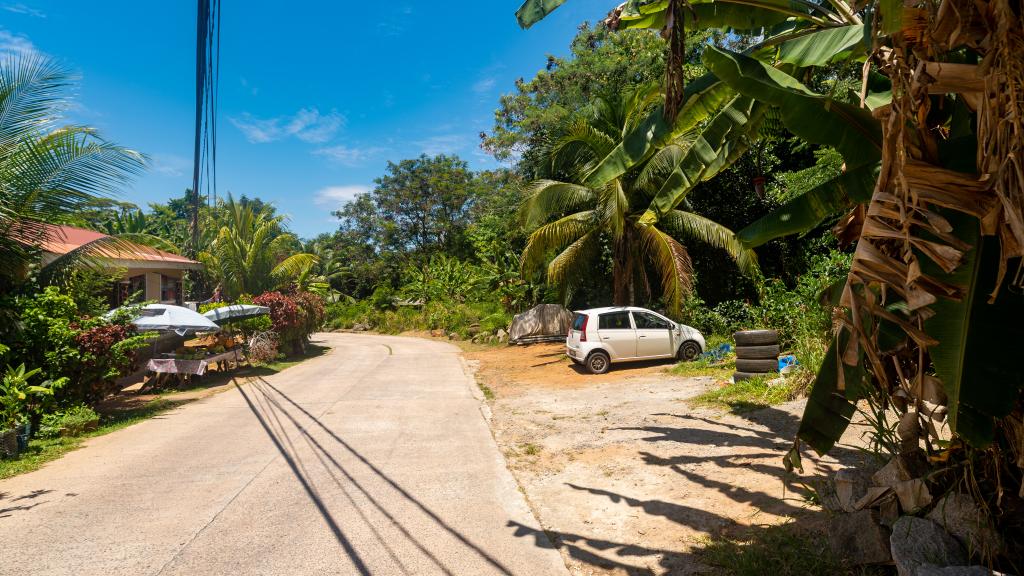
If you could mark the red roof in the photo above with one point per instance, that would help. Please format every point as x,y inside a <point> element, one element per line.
<point>63,239</point>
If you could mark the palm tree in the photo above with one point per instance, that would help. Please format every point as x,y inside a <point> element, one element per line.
<point>47,171</point>
<point>569,218</point>
<point>251,253</point>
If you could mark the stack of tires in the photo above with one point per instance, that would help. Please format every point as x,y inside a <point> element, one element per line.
<point>757,353</point>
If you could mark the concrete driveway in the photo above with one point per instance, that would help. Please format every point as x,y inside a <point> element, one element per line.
<point>371,459</point>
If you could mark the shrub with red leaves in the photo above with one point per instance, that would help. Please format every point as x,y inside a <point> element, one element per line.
<point>105,353</point>
<point>294,316</point>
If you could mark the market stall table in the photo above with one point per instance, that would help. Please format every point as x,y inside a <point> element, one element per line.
<point>161,367</point>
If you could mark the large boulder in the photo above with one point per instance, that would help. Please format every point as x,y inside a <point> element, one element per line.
<point>916,542</point>
<point>851,484</point>
<point>961,517</point>
<point>860,538</point>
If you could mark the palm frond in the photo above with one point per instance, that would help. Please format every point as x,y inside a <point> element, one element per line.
<point>291,268</point>
<point>697,227</point>
<point>32,95</point>
<point>672,262</point>
<point>572,265</point>
<point>546,199</point>
<point>555,236</point>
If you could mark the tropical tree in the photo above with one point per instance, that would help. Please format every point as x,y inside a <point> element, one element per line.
<point>48,171</point>
<point>932,196</point>
<point>251,253</point>
<point>570,219</point>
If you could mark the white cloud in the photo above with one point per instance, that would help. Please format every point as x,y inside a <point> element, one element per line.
<point>442,144</point>
<point>338,195</point>
<point>20,8</point>
<point>170,164</point>
<point>16,44</point>
<point>308,125</point>
<point>348,156</point>
<point>484,85</point>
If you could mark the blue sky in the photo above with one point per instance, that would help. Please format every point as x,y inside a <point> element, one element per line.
<point>315,97</point>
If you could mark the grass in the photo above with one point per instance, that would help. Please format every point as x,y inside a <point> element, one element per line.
<point>43,450</point>
<point>704,367</point>
<point>752,394</point>
<point>530,449</point>
<point>488,393</point>
<point>783,550</point>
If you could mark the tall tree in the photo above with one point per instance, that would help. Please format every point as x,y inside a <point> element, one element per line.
<point>570,219</point>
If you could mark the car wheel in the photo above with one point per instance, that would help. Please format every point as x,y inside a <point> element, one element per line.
<point>688,351</point>
<point>598,363</point>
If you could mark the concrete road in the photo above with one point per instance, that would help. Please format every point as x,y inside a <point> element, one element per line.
<point>372,459</point>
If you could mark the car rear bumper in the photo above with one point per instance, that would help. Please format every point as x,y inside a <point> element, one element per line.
<point>573,352</point>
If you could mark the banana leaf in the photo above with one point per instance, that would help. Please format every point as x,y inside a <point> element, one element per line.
<point>828,411</point>
<point>977,357</point>
<point>824,47</point>
<point>818,119</point>
<point>809,209</point>
<point>533,11</point>
<point>718,145</point>
<point>702,98</point>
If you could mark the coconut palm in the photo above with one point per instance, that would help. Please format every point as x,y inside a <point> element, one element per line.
<point>251,253</point>
<point>569,219</point>
<point>48,171</point>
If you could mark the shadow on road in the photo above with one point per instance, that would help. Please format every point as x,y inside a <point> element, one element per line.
<point>270,405</point>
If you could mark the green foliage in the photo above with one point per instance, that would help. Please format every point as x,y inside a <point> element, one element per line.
<point>71,422</point>
<point>781,550</point>
<point>19,399</point>
<point>252,253</point>
<point>89,352</point>
<point>442,278</point>
<point>753,394</point>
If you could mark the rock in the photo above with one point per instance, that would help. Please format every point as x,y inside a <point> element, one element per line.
<point>917,541</point>
<point>962,518</point>
<point>933,570</point>
<point>360,327</point>
<point>454,336</point>
<point>501,336</point>
<point>825,488</point>
<point>474,329</point>
<point>437,333</point>
<point>901,468</point>
<point>913,495</point>
<point>860,538</point>
<point>851,485</point>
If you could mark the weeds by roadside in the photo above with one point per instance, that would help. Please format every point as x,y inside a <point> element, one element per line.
<point>782,550</point>
<point>752,394</point>
<point>704,367</point>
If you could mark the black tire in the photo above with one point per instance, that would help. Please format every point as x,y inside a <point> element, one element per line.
<point>688,351</point>
<point>741,376</point>
<point>758,352</point>
<point>598,363</point>
<point>757,366</point>
<point>756,337</point>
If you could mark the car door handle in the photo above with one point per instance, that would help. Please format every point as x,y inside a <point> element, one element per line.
<point>642,336</point>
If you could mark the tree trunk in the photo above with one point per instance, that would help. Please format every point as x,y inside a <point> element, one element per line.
<point>623,273</point>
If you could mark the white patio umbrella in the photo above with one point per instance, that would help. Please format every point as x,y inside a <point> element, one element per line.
<point>236,312</point>
<point>169,318</point>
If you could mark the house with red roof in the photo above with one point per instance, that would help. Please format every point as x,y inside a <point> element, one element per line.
<point>156,274</point>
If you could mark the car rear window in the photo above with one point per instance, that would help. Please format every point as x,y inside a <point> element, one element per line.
<point>578,321</point>
<point>614,321</point>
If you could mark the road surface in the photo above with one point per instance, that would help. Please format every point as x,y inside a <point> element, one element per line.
<point>371,459</point>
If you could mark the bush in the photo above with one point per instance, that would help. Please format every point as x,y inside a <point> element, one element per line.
<point>293,317</point>
<point>71,422</point>
<point>92,353</point>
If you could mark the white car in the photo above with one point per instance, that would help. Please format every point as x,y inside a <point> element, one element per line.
<point>602,336</point>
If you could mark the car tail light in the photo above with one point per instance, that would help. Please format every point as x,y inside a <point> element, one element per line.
<point>583,329</point>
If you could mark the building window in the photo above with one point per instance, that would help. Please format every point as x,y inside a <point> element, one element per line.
<point>170,289</point>
<point>130,290</point>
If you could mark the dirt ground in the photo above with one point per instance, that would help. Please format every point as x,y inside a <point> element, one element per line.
<point>625,474</point>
